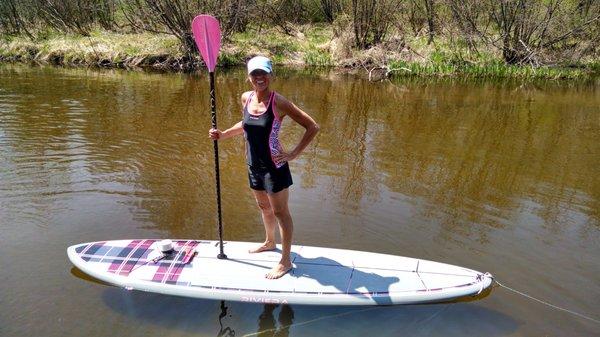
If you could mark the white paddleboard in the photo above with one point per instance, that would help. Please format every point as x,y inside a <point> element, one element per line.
<point>321,276</point>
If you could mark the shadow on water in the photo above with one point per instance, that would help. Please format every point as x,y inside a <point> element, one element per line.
<point>219,318</point>
<point>80,274</point>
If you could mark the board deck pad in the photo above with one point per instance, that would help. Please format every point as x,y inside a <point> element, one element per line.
<point>323,276</point>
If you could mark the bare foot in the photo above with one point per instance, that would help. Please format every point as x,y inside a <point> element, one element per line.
<point>266,246</point>
<point>279,270</point>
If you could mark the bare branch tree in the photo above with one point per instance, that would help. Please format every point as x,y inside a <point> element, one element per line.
<point>16,17</point>
<point>330,9</point>
<point>527,30</point>
<point>372,20</point>
<point>175,16</point>
<point>76,16</point>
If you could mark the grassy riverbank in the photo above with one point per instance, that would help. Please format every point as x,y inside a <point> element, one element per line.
<point>309,45</point>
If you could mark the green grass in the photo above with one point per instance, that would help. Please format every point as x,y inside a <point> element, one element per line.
<point>494,69</point>
<point>230,58</point>
<point>318,34</point>
<point>318,58</point>
<point>456,59</point>
<point>316,50</point>
<point>594,67</point>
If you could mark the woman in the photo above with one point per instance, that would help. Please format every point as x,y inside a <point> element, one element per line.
<point>268,170</point>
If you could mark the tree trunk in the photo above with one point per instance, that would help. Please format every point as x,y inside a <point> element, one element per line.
<point>429,7</point>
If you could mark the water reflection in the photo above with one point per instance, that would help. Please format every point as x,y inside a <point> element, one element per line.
<point>267,326</point>
<point>470,157</point>
<point>465,172</point>
<point>204,317</point>
<point>63,134</point>
<point>477,160</point>
<point>224,331</point>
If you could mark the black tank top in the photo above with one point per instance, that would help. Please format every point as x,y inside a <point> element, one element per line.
<point>262,135</point>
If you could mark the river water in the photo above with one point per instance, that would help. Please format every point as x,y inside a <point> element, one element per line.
<point>502,177</point>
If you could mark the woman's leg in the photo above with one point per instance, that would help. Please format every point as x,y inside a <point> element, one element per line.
<point>269,221</point>
<point>279,205</point>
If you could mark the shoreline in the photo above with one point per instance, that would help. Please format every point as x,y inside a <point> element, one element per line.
<point>313,47</point>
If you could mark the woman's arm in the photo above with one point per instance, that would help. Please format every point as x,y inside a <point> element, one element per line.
<point>233,131</point>
<point>311,127</point>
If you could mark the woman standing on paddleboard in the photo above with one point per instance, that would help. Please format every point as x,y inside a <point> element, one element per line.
<point>268,170</point>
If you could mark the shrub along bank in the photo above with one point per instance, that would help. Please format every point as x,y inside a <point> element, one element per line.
<point>311,45</point>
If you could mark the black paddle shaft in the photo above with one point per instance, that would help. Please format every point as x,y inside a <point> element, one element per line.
<point>213,109</point>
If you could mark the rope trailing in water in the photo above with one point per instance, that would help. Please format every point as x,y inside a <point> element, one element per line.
<point>547,304</point>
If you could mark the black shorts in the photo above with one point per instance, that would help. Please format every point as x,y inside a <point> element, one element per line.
<point>271,180</point>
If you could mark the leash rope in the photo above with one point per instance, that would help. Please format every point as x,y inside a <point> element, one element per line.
<point>547,304</point>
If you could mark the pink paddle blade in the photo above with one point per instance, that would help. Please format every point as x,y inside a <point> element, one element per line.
<point>207,35</point>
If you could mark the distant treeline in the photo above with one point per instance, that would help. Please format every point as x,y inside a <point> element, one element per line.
<point>522,31</point>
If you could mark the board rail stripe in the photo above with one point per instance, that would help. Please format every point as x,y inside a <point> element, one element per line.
<point>372,294</point>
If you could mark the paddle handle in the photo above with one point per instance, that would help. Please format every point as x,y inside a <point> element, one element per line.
<point>213,113</point>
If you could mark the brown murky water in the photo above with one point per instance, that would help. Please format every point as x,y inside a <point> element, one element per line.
<point>498,177</point>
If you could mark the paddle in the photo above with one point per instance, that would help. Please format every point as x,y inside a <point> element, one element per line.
<point>207,35</point>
